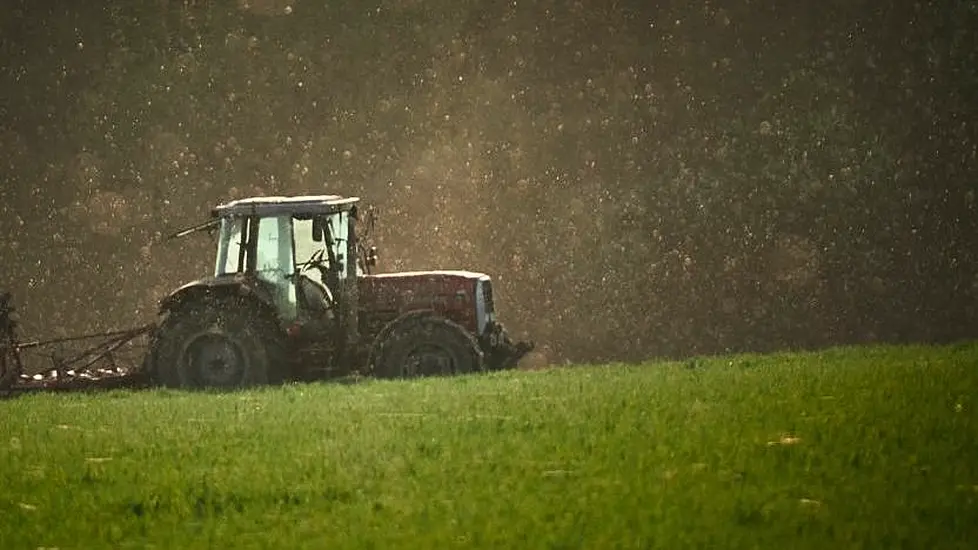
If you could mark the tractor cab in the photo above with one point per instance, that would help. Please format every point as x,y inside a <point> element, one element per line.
<point>301,248</point>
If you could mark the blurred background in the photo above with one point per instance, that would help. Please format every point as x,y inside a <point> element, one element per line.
<point>642,179</point>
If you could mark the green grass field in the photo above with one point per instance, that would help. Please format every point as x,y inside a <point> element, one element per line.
<point>846,448</point>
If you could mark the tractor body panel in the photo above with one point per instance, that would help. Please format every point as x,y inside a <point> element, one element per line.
<point>456,295</point>
<point>464,297</point>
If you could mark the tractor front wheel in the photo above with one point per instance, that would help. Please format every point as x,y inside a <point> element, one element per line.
<point>218,343</point>
<point>426,345</point>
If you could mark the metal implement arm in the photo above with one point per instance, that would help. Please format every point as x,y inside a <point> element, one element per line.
<point>209,224</point>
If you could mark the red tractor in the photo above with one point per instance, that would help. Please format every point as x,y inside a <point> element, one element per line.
<point>292,298</point>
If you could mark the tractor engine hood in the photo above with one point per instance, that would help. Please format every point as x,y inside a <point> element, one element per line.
<point>464,296</point>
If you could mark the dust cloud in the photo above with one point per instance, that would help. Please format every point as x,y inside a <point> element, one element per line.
<point>640,179</point>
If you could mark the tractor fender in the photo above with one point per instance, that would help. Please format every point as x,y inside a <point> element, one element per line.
<point>218,286</point>
<point>389,328</point>
<point>250,288</point>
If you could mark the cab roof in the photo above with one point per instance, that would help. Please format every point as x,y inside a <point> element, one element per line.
<point>272,206</point>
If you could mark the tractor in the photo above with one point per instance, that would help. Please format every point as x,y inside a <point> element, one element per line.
<point>293,297</point>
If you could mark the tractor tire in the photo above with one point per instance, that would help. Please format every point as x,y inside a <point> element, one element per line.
<point>425,345</point>
<point>223,342</point>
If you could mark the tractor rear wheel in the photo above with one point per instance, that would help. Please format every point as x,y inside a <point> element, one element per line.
<point>218,343</point>
<point>426,345</point>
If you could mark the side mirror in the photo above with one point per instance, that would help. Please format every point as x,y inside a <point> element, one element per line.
<point>317,229</point>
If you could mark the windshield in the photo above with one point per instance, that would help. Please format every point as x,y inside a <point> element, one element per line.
<point>306,248</point>
<point>335,235</point>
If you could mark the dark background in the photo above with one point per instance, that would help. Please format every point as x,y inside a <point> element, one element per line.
<point>641,178</point>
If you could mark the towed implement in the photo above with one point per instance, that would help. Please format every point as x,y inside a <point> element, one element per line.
<point>88,361</point>
<point>292,298</point>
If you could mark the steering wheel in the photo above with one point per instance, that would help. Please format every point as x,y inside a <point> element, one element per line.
<point>316,260</point>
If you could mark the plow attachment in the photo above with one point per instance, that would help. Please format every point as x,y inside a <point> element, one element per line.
<point>101,360</point>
